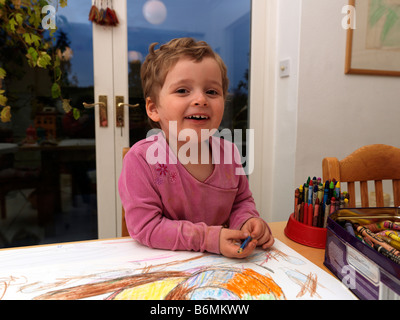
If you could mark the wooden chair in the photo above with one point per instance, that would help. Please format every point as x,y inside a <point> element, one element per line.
<point>376,163</point>
<point>125,232</point>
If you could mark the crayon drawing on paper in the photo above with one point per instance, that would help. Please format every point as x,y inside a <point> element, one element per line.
<point>123,269</point>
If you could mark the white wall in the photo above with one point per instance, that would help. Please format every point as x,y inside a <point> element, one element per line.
<point>286,110</point>
<point>317,111</point>
<point>337,113</point>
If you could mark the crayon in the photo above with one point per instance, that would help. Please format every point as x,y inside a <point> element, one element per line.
<point>326,194</point>
<point>394,244</point>
<point>337,190</point>
<point>301,214</point>
<point>368,242</point>
<point>305,190</point>
<point>376,239</point>
<point>359,237</point>
<point>376,227</point>
<point>244,244</point>
<point>320,193</point>
<point>327,210</point>
<point>386,253</point>
<point>337,204</point>
<point>310,214</point>
<point>321,217</point>
<point>315,194</point>
<point>296,203</point>
<point>305,213</point>
<point>301,194</point>
<point>392,225</point>
<point>349,227</point>
<point>310,192</point>
<point>331,188</point>
<point>392,235</point>
<point>316,213</point>
<point>333,205</point>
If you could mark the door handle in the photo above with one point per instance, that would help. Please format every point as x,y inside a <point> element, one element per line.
<point>119,114</point>
<point>103,113</point>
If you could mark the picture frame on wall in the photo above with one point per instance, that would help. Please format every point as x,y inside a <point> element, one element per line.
<point>373,46</point>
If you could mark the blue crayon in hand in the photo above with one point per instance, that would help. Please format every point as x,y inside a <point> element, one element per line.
<point>244,244</point>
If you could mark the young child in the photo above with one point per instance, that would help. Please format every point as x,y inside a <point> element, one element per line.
<point>199,204</point>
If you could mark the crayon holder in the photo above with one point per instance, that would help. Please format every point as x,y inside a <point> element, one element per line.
<point>305,234</point>
<point>373,275</point>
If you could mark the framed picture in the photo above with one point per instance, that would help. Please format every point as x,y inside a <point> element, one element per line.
<point>373,46</point>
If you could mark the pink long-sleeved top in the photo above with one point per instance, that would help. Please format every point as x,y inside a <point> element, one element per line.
<point>167,208</point>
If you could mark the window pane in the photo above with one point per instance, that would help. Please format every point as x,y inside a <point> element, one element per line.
<point>47,158</point>
<point>223,24</point>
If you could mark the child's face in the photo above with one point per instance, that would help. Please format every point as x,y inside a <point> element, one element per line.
<point>192,95</point>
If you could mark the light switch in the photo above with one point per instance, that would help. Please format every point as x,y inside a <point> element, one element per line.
<point>284,68</point>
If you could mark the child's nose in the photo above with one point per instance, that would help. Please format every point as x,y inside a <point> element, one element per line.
<point>200,100</point>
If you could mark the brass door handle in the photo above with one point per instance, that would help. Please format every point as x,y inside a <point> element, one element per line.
<point>103,113</point>
<point>119,106</point>
<point>91,105</point>
<point>127,104</point>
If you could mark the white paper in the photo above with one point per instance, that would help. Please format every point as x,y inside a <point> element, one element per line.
<point>124,269</point>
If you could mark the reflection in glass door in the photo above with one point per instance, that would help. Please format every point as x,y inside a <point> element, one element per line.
<point>224,24</point>
<point>47,158</point>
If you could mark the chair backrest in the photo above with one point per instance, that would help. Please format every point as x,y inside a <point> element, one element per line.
<point>125,232</point>
<point>376,163</point>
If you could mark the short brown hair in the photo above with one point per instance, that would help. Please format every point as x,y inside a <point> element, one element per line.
<point>158,63</point>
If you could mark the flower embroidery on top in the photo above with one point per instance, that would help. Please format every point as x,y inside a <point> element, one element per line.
<point>162,169</point>
<point>172,177</point>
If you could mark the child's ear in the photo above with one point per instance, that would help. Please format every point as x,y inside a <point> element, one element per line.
<point>151,110</point>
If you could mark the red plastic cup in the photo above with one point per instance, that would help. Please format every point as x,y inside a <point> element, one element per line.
<point>305,234</point>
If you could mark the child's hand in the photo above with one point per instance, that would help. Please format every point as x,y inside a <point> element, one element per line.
<point>258,230</point>
<point>229,243</point>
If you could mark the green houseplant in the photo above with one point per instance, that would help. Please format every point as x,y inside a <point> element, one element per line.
<point>26,28</point>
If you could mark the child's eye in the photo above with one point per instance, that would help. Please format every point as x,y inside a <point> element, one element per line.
<point>181,91</point>
<point>212,92</point>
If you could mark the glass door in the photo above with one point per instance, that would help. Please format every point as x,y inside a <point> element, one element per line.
<point>48,172</point>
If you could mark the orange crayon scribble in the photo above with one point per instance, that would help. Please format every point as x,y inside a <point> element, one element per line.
<point>249,282</point>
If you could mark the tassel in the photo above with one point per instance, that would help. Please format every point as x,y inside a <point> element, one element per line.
<point>102,16</point>
<point>116,21</point>
<point>105,16</point>
<point>108,17</point>
<point>112,19</point>
<point>93,13</point>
